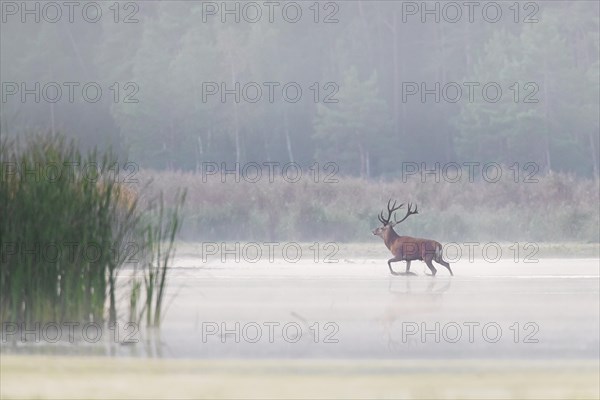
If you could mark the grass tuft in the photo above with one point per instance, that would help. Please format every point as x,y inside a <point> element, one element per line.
<point>66,224</point>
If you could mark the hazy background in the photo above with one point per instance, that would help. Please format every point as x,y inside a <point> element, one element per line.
<point>155,60</point>
<point>365,55</point>
<point>368,53</point>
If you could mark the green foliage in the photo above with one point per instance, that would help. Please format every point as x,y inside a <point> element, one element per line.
<point>66,232</point>
<point>542,116</point>
<point>170,52</point>
<point>352,129</point>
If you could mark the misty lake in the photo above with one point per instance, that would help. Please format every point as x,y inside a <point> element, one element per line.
<point>356,309</point>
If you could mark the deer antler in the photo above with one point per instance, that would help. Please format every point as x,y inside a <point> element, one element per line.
<point>409,212</point>
<point>391,210</point>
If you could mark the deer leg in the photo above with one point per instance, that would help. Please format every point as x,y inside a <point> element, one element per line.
<point>430,265</point>
<point>445,264</point>
<point>408,269</point>
<point>390,261</point>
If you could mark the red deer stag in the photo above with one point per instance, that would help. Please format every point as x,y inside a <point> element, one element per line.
<point>406,248</point>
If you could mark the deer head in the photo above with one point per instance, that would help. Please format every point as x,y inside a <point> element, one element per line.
<point>383,230</point>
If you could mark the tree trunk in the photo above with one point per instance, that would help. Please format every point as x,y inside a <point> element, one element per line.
<point>547,120</point>
<point>361,151</point>
<point>288,141</point>
<point>368,162</point>
<point>395,70</point>
<point>594,151</point>
<point>236,125</point>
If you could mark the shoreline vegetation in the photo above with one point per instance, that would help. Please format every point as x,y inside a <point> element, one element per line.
<point>557,208</point>
<point>67,225</point>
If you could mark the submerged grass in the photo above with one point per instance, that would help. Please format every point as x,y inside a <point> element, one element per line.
<point>66,223</point>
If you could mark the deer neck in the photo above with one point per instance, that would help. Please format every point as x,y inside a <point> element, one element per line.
<point>390,237</point>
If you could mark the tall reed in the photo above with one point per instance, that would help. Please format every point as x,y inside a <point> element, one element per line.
<point>65,223</point>
<point>161,232</point>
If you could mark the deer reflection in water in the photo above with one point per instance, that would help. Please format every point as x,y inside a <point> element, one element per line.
<point>411,300</point>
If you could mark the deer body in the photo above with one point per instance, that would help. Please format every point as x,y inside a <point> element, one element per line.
<point>406,248</point>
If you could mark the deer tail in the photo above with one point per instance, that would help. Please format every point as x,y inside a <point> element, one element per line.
<point>438,252</point>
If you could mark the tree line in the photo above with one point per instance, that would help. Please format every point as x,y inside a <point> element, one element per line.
<point>365,85</point>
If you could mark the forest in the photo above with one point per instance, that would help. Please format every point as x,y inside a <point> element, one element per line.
<point>367,86</point>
